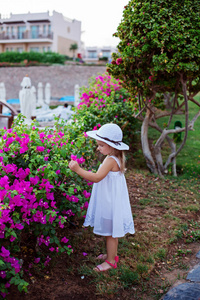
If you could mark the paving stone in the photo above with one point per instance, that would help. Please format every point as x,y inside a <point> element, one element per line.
<point>194,274</point>
<point>185,291</point>
<point>198,254</point>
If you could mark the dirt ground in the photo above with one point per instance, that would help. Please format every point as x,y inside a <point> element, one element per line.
<point>65,281</point>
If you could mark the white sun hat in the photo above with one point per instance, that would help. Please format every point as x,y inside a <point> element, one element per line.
<point>110,134</point>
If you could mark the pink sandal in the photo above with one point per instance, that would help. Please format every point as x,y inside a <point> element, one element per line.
<point>114,266</point>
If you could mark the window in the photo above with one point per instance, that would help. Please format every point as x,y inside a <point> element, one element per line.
<point>12,31</point>
<point>34,49</point>
<point>34,31</point>
<point>20,49</point>
<point>68,29</point>
<point>20,32</point>
<point>7,31</point>
<point>106,53</point>
<point>45,30</point>
<point>49,29</point>
<point>92,54</point>
<point>49,49</point>
<point>44,49</point>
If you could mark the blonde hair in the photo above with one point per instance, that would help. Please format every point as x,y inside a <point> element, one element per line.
<point>121,156</point>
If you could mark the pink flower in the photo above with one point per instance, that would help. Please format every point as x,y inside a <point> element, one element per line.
<point>12,238</point>
<point>58,172</point>
<point>64,240</point>
<point>119,61</point>
<point>85,254</point>
<point>4,253</point>
<point>86,194</point>
<point>86,204</point>
<point>52,249</point>
<point>19,226</point>
<point>151,78</point>
<point>7,285</point>
<point>37,260</point>
<point>85,134</point>
<point>40,148</point>
<point>50,196</point>
<point>3,274</point>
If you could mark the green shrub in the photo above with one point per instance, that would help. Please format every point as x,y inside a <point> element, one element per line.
<point>106,101</point>
<point>46,57</point>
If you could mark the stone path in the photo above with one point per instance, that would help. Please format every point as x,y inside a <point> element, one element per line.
<point>189,290</point>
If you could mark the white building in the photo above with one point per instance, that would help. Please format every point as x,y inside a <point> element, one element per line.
<point>40,32</point>
<point>93,54</point>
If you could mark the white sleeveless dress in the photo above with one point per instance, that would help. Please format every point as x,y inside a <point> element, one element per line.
<point>109,210</point>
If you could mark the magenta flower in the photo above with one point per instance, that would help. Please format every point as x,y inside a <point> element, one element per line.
<point>3,274</point>
<point>19,226</point>
<point>86,194</point>
<point>4,253</point>
<point>12,238</point>
<point>85,254</point>
<point>64,240</point>
<point>37,260</point>
<point>40,148</point>
<point>113,62</point>
<point>7,285</point>
<point>50,196</point>
<point>58,172</point>
<point>85,134</point>
<point>86,204</point>
<point>119,61</point>
<point>4,182</point>
<point>34,180</point>
<point>52,249</point>
<point>23,149</point>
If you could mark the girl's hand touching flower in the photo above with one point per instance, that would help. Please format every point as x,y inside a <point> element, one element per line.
<point>73,165</point>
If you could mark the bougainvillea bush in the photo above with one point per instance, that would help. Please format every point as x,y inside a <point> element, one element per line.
<point>39,195</point>
<point>106,101</point>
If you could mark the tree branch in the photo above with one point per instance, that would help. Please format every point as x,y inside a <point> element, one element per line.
<point>194,101</point>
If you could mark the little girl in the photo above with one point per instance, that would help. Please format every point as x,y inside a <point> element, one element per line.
<point>109,210</point>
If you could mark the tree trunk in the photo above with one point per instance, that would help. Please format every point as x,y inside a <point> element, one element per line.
<point>145,143</point>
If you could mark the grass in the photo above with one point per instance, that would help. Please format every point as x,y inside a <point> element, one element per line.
<point>167,226</point>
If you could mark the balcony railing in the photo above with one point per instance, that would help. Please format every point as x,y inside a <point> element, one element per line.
<point>25,35</point>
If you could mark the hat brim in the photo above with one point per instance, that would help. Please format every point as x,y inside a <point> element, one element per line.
<point>119,146</point>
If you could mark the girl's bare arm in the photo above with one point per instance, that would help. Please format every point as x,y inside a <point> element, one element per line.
<point>94,177</point>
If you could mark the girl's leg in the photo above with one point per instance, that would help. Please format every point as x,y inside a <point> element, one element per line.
<point>111,246</point>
